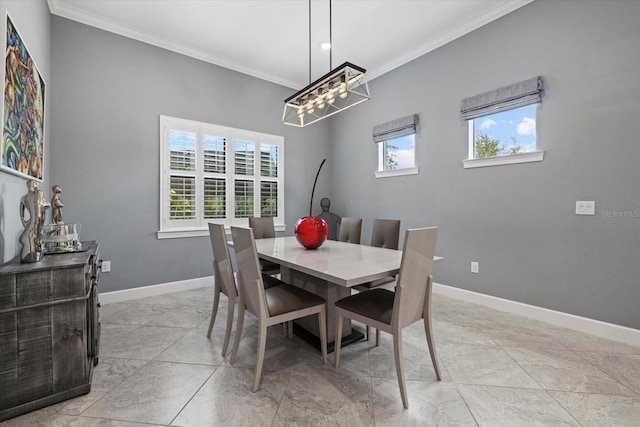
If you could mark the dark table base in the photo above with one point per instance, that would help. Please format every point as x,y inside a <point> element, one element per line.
<point>312,339</point>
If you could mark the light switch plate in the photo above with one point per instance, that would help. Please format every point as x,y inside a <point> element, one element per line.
<point>475,267</point>
<point>585,207</point>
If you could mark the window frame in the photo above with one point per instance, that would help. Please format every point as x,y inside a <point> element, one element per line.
<point>504,159</point>
<point>382,173</point>
<point>198,226</point>
<point>507,98</point>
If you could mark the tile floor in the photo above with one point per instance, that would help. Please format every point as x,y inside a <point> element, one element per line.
<point>158,368</point>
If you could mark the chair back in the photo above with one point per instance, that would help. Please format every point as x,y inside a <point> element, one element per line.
<point>350,230</point>
<point>262,227</point>
<point>249,276</point>
<point>386,233</point>
<point>414,280</point>
<point>221,260</point>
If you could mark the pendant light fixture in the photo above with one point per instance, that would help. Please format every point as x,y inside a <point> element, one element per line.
<point>336,91</point>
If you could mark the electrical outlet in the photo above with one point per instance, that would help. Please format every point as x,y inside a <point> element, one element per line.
<point>106,266</point>
<point>585,207</point>
<point>475,267</point>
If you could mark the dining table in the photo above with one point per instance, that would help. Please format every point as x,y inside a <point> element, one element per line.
<point>329,271</point>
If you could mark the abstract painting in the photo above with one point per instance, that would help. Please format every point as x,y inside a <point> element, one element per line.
<point>23,118</point>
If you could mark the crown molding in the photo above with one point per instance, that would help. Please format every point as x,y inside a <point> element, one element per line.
<point>64,10</point>
<point>492,14</point>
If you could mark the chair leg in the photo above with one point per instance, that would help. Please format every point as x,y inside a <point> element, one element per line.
<point>214,309</point>
<point>377,337</point>
<point>432,347</point>
<point>338,339</point>
<point>236,340</point>
<point>367,331</point>
<point>322,323</point>
<point>290,329</point>
<point>397,351</point>
<point>262,340</point>
<point>227,333</point>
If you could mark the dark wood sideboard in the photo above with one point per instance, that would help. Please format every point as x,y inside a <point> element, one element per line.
<point>49,329</point>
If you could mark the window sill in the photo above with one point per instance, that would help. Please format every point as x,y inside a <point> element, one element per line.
<point>534,156</point>
<point>200,232</point>
<point>397,172</point>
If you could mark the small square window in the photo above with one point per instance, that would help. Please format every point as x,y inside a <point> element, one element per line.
<point>397,153</point>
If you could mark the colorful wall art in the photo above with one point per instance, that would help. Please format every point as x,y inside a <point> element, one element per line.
<point>23,118</point>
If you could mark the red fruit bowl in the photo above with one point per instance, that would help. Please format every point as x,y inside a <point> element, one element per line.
<point>311,231</point>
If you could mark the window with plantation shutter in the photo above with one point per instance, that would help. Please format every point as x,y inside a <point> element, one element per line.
<point>215,198</point>
<point>183,197</point>
<point>268,198</point>
<point>243,198</point>
<point>211,173</point>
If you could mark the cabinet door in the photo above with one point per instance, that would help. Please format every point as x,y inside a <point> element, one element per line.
<point>69,282</point>
<point>8,360</point>
<point>33,287</point>
<point>34,353</point>
<point>69,345</point>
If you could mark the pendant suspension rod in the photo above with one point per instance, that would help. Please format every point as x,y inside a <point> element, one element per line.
<point>330,40</point>
<point>309,41</point>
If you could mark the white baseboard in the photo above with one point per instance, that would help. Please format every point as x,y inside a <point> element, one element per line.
<point>151,290</point>
<point>582,324</point>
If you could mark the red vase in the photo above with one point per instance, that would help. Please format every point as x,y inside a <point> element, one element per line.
<point>311,231</point>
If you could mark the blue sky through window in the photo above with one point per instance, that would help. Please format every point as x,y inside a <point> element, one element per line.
<point>403,151</point>
<point>519,123</point>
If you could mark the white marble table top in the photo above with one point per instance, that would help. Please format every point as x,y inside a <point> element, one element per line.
<point>344,264</point>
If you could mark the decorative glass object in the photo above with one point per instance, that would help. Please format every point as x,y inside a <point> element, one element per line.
<point>60,238</point>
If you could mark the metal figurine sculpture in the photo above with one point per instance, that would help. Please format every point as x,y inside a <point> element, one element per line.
<point>330,218</point>
<point>36,206</point>
<point>56,205</point>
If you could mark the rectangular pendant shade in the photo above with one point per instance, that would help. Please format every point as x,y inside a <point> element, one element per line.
<point>341,88</point>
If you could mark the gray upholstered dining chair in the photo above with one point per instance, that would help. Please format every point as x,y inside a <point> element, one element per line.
<point>224,281</point>
<point>271,306</point>
<point>350,230</point>
<point>263,228</point>
<point>385,234</point>
<point>390,311</point>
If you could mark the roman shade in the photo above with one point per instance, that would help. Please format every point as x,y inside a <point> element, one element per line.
<point>395,128</point>
<point>508,97</point>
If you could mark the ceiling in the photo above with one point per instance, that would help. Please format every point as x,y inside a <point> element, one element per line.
<point>269,39</point>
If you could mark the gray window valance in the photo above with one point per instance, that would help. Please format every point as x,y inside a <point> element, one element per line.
<point>515,95</point>
<point>395,128</point>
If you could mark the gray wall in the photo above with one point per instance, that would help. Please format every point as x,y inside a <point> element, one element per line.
<point>108,93</point>
<point>518,221</point>
<point>33,21</point>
